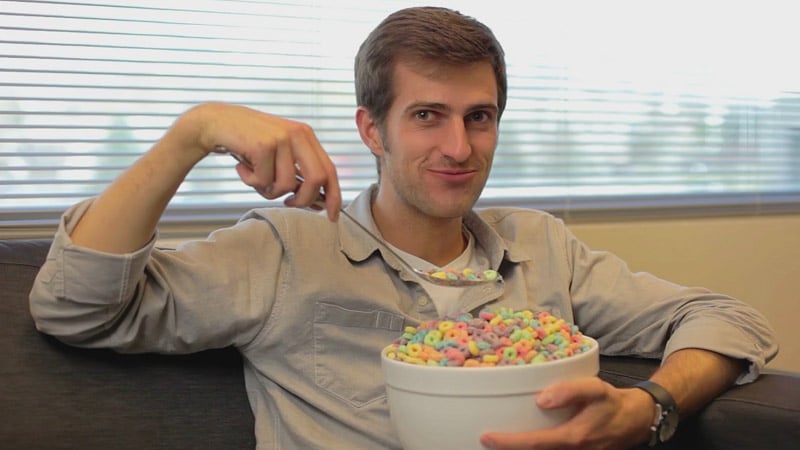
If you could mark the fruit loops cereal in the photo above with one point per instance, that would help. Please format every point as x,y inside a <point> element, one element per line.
<point>462,275</point>
<point>499,337</point>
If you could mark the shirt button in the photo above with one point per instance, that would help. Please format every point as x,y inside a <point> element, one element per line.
<point>422,301</point>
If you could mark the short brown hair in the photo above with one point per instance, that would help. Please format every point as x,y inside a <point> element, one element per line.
<point>428,35</point>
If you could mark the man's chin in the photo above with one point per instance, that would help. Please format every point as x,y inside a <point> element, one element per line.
<point>445,209</point>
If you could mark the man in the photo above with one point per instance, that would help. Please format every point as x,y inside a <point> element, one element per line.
<point>310,300</point>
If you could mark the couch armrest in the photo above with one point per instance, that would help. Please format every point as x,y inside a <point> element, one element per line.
<point>760,415</point>
<point>56,396</point>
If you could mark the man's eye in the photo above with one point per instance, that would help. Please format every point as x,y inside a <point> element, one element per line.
<point>423,115</point>
<point>478,116</point>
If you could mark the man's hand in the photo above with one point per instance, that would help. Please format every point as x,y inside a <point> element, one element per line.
<point>271,151</point>
<point>610,418</point>
<point>605,418</point>
<point>123,218</point>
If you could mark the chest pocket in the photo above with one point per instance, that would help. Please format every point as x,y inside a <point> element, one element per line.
<point>347,346</point>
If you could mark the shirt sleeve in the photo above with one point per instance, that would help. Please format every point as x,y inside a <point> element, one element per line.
<point>199,296</point>
<point>637,313</point>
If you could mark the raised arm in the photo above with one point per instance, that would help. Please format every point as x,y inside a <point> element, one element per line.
<point>124,217</point>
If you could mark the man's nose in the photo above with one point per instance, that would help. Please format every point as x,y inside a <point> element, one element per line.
<point>456,143</point>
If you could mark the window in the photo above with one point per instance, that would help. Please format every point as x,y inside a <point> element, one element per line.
<point>613,106</point>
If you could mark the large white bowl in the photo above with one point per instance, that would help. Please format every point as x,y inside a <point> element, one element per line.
<point>450,407</point>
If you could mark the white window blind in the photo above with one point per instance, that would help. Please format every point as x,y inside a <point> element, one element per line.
<point>612,105</point>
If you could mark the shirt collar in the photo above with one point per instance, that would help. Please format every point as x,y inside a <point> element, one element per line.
<point>354,242</point>
<point>358,246</point>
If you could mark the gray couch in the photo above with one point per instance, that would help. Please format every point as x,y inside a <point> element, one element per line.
<point>57,397</point>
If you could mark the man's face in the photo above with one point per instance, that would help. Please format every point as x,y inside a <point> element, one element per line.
<point>438,139</point>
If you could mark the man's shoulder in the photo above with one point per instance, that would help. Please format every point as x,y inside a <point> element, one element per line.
<point>283,213</point>
<point>516,224</point>
<point>509,215</point>
<point>283,218</point>
<point>520,228</point>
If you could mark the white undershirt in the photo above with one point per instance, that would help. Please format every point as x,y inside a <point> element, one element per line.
<point>448,299</point>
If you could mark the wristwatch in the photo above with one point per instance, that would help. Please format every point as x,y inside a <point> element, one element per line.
<point>666,420</point>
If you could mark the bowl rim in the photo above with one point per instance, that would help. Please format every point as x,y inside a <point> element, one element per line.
<point>594,348</point>
<point>443,381</point>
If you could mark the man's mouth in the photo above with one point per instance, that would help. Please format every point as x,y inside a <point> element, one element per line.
<point>454,175</point>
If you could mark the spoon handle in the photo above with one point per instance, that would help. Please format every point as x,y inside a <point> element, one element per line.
<point>321,202</point>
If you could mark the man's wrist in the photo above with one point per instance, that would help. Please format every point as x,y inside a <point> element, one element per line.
<point>665,418</point>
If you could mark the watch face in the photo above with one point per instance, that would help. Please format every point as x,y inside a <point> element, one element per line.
<point>668,425</point>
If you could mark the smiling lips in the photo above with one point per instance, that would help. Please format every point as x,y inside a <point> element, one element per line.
<point>454,175</point>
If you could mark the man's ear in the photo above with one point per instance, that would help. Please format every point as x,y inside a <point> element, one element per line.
<point>368,129</point>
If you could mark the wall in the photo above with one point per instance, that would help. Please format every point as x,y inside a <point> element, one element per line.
<point>756,259</point>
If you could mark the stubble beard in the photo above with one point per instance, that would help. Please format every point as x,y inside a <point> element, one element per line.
<point>418,199</point>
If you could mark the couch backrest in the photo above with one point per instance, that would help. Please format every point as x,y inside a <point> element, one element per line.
<point>54,396</point>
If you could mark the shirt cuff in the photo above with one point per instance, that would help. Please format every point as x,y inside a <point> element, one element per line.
<point>92,275</point>
<point>727,340</point>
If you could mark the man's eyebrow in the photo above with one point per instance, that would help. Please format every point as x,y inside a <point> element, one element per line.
<point>427,105</point>
<point>481,106</point>
<point>444,107</point>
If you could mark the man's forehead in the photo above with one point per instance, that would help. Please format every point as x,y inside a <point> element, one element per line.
<point>438,70</point>
<point>475,82</point>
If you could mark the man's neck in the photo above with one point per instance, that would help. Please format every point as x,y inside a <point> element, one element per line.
<point>436,240</point>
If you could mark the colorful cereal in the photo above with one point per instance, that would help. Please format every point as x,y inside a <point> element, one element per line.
<point>496,337</point>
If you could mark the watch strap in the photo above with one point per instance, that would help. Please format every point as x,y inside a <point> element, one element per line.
<point>665,405</point>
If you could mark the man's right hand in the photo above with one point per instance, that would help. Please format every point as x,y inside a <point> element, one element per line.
<point>124,217</point>
<point>275,148</point>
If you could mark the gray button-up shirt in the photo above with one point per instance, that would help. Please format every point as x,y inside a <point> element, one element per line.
<point>310,303</point>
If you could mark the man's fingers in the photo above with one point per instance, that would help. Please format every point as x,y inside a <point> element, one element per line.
<point>557,438</point>
<point>333,193</point>
<point>270,156</point>
<point>573,392</point>
<point>283,171</point>
<point>319,174</point>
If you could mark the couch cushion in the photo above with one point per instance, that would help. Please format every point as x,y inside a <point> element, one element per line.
<point>26,252</point>
<point>764,414</point>
<point>54,396</point>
